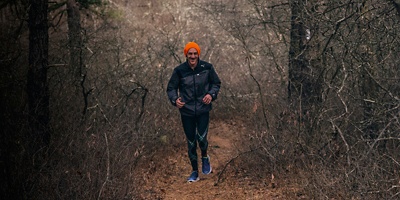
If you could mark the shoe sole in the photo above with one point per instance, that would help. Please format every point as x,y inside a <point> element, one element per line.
<point>192,181</point>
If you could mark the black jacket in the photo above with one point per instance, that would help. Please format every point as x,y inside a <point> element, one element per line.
<point>192,86</point>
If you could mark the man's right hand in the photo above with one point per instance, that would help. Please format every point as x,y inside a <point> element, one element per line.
<point>179,103</point>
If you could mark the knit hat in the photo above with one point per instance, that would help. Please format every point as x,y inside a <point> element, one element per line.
<point>191,45</point>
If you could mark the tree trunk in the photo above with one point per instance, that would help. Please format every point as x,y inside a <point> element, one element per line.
<point>304,88</point>
<point>297,61</point>
<point>37,86</point>
<point>75,40</point>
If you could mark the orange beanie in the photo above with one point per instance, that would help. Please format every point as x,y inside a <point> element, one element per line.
<point>191,45</point>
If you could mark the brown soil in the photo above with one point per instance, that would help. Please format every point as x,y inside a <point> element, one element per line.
<point>164,175</point>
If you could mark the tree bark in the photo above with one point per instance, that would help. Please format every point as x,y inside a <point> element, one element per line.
<point>76,42</point>
<point>297,60</point>
<point>37,86</point>
<point>75,39</point>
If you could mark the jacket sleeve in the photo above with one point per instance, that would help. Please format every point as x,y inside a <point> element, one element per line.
<point>215,84</point>
<point>172,88</point>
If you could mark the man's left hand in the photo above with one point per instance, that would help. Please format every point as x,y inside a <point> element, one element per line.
<point>207,99</point>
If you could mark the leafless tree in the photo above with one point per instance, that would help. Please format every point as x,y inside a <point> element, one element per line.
<point>38,91</point>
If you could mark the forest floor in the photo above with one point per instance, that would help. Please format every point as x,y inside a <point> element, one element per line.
<point>164,174</point>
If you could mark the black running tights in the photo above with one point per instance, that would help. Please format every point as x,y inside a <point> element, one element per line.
<point>196,129</point>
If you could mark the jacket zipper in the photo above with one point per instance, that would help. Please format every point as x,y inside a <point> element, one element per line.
<point>195,94</point>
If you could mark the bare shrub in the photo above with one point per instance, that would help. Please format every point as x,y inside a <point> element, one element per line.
<point>343,146</point>
<point>345,142</point>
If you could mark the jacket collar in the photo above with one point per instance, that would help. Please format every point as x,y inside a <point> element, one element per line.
<point>197,66</point>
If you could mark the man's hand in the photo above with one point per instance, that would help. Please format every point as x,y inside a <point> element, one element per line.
<point>207,99</point>
<point>179,103</point>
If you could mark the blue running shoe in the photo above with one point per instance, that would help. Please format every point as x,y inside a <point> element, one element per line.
<point>206,168</point>
<point>194,177</point>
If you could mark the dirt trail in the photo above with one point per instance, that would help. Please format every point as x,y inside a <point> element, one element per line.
<point>165,177</point>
